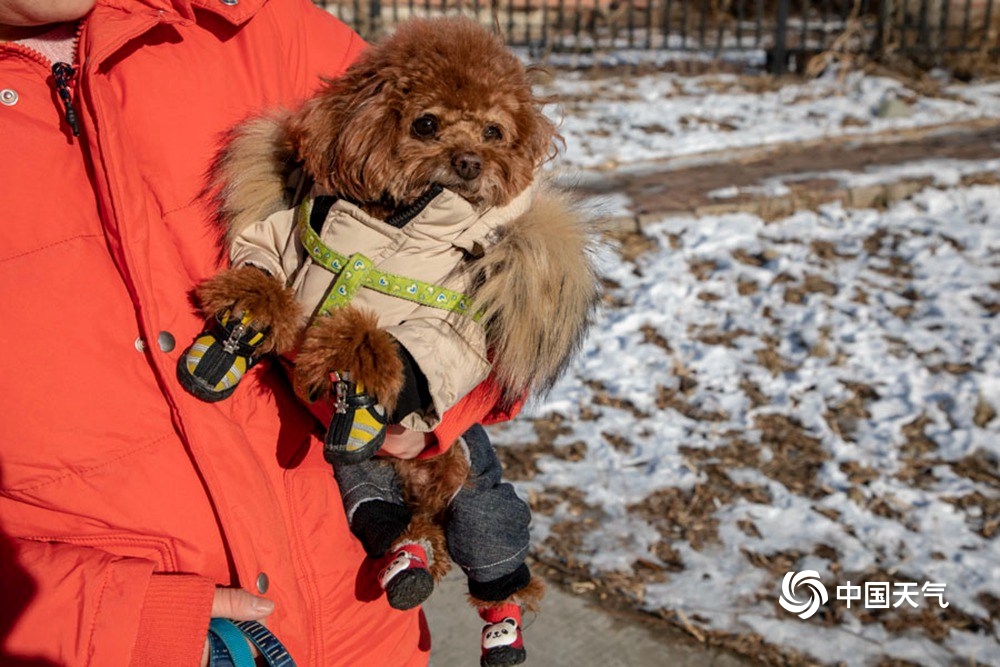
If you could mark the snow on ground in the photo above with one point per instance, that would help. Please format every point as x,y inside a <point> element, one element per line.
<point>621,120</point>
<point>827,383</point>
<point>815,393</point>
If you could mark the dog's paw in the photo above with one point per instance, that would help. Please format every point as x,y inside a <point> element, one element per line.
<point>271,304</point>
<point>350,340</point>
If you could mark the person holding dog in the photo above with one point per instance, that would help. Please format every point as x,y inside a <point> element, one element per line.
<point>131,512</point>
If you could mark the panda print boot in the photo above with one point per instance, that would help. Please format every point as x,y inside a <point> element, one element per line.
<point>502,642</point>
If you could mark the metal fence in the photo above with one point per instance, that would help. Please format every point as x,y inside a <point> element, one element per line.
<point>784,32</point>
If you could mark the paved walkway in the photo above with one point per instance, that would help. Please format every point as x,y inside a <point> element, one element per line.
<point>567,631</point>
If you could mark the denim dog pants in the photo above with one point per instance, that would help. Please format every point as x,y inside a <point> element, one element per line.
<point>486,524</point>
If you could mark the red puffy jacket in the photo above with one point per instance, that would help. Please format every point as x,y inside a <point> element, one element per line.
<point>123,500</point>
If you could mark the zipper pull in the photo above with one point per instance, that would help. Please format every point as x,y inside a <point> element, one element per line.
<point>63,73</point>
<point>341,388</point>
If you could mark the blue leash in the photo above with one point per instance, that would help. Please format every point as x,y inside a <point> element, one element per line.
<point>228,644</point>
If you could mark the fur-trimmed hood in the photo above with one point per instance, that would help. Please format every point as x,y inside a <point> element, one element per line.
<point>538,288</point>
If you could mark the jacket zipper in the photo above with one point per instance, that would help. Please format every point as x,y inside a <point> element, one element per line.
<point>62,74</point>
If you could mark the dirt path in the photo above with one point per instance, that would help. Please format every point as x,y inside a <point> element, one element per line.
<point>680,187</point>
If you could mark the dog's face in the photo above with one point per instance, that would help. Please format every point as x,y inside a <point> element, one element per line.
<point>439,102</point>
<point>475,150</point>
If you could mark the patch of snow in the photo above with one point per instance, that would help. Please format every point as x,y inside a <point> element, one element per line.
<point>901,310</point>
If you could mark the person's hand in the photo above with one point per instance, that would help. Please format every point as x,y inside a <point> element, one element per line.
<point>238,605</point>
<point>403,443</point>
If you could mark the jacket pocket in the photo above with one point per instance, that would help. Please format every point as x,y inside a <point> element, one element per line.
<point>159,550</point>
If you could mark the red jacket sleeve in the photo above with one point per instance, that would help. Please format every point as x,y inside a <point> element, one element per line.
<point>324,46</point>
<point>483,405</point>
<point>87,599</point>
<point>174,618</point>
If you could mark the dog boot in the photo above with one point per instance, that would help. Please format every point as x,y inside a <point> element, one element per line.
<point>502,641</point>
<point>405,579</point>
<point>214,364</point>
<point>357,429</point>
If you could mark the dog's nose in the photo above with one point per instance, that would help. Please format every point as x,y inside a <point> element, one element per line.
<point>467,165</point>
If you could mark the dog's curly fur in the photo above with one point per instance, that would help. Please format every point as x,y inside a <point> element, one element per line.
<point>349,339</point>
<point>438,102</point>
<point>359,136</point>
<point>247,288</point>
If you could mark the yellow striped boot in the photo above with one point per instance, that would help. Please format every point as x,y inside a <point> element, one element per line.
<point>357,429</point>
<point>214,364</point>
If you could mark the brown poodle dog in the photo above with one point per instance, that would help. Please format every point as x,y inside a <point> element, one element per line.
<point>438,103</point>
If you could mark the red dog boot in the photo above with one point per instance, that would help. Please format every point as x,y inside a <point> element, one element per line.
<point>405,579</point>
<point>502,641</point>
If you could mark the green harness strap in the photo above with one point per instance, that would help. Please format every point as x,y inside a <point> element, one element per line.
<point>358,271</point>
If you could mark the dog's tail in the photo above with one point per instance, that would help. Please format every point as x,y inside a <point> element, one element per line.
<point>252,175</point>
<point>538,290</point>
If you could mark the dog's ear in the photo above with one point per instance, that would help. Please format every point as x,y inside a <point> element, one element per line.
<point>311,129</point>
<point>537,133</point>
<point>345,135</point>
<point>363,160</point>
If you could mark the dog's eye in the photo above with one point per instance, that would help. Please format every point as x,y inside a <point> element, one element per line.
<point>492,133</point>
<point>426,126</point>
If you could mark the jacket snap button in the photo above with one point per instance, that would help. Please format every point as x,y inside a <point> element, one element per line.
<point>8,97</point>
<point>262,583</point>
<point>140,345</point>
<point>230,3</point>
<point>166,341</point>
